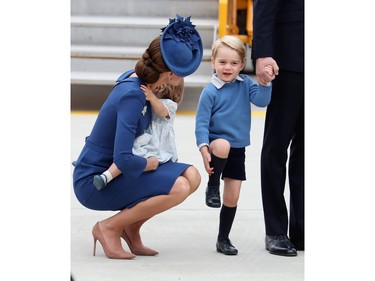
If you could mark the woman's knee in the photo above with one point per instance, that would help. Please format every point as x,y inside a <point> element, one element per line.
<point>193,177</point>
<point>181,188</point>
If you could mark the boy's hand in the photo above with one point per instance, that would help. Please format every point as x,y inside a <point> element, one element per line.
<point>269,70</point>
<point>206,156</point>
<point>263,76</point>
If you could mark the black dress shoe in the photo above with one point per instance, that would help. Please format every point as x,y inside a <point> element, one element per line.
<point>225,246</point>
<point>280,245</point>
<point>213,196</point>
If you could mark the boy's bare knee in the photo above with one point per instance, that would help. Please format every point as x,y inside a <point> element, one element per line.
<point>220,147</point>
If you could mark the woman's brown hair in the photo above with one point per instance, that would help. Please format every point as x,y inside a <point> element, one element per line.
<point>152,64</point>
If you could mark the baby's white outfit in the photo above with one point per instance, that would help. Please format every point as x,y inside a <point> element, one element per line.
<point>158,139</point>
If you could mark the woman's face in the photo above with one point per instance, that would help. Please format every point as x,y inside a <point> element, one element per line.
<point>174,80</point>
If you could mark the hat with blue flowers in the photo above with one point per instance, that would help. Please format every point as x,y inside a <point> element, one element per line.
<point>181,46</point>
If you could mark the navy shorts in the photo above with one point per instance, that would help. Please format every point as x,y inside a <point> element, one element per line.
<point>235,166</point>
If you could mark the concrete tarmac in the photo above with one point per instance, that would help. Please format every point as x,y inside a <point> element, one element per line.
<point>185,236</point>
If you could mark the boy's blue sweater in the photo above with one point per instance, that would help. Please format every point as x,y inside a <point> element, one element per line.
<point>226,112</point>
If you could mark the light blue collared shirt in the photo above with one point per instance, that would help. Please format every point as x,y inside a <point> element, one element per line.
<point>218,83</point>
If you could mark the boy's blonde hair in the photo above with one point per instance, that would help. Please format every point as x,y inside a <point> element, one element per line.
<point>231,42</point>
<point>174,93</point>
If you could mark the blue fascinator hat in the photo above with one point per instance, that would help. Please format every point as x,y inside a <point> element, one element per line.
<point>181,46</point>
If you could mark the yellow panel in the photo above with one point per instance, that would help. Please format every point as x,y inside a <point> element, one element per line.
<point>228,23</point>
<point>241,4</point>
<point>249,22</point>
<point>223,12</point>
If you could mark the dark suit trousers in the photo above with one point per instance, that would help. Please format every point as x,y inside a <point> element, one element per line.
<point>284,128</point>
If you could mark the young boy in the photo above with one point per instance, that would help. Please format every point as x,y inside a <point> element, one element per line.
<point>223,129</point>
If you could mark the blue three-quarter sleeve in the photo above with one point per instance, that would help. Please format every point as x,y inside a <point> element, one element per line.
<point>130,110</point>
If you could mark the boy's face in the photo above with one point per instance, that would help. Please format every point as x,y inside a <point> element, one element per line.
<point>227,63</point>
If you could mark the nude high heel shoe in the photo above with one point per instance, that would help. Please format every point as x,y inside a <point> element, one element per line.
<point>110,253</point>
<point>140,251</point>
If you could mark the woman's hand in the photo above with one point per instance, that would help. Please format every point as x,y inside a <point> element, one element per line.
<point>152,164</point>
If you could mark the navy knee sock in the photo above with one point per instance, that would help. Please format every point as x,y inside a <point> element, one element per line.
<point>227,215</point>
<point>218,164</point>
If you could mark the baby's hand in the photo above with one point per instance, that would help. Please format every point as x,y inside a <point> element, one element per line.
<point>147,91</point>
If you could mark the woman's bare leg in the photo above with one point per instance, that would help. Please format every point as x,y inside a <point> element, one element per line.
<point>131,232</point>
<point>131,235</point>
<point>112,227</point>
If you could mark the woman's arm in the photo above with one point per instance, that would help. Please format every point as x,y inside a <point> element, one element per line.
<point>129,112</point>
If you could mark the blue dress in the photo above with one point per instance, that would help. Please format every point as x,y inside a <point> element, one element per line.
<point>123,117</point>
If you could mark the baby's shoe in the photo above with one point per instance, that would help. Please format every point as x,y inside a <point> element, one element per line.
<point>100,181</point>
